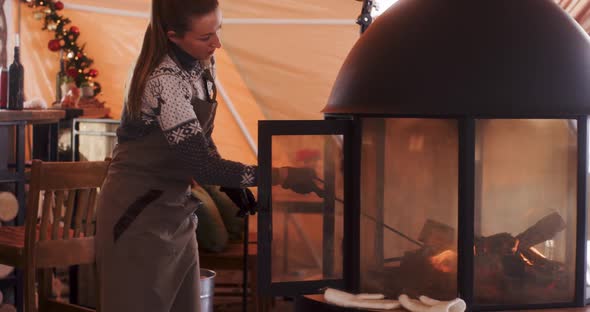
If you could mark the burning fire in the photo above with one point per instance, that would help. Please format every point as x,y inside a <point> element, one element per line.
<point>515,247</point>
<point>445,261</point>
<point>535,250</point>
<point>525,259</point>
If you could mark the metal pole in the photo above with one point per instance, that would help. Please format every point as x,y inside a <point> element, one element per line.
<point>245,268</point>
<point>17,19</point>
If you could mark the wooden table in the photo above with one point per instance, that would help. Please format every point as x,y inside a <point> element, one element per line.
<point>45,123</point>
<point>32,115</point>
<point>18,120</point>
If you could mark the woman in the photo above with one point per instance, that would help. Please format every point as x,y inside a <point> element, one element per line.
<point>145,242</point>
<point>146,248</point>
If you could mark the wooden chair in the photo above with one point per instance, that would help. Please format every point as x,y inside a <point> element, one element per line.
<point>57,236</point>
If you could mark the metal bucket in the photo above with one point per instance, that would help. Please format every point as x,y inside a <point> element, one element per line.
<point>207,286</point>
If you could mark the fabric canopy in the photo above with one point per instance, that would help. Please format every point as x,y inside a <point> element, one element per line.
<point>278,61</point>
<point>279,58</point>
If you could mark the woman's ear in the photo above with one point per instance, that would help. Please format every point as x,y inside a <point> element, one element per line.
<point>172,36</point>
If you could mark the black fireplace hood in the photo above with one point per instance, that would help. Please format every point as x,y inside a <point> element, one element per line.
<point>480,58</point>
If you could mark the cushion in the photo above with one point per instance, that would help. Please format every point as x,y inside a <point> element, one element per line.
<point>211,233</point>
<point>228,211</point>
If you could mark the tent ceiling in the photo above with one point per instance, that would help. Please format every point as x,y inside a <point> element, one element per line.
<point>268,71</point>
<point>283,71</point>
<point>341,9</point>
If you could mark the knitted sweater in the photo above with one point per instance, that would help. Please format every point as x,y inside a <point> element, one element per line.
<point>176,103</point>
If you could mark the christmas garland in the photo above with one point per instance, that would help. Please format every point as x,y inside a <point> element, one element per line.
<point>76,63</point>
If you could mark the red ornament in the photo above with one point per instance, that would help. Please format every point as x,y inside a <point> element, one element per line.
<point>54,45</point>
<point>307,155</point>
<point>72,72</point>
<point>59,5</point>
<point>93,73</point>
<point>75,30</point>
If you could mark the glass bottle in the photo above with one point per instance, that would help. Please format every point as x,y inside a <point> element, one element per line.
<point>16,80</point>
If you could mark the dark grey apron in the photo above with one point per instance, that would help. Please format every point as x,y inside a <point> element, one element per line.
<point>146,247</point>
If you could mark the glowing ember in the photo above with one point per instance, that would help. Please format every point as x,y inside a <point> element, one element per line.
<point>525,259</point>
<point>515,247</point>
<point>445,261</point>
<point>535,250</point>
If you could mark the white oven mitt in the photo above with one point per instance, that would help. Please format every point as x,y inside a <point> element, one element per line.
<point>426,304</point>
<point>364,301</point>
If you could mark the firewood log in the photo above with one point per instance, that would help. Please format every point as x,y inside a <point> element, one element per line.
<point>437,235</point>
<point>499,244</point>
<point>541,231</point>
<point>8,206</point>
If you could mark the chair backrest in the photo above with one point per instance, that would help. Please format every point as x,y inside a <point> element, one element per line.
<point>69,199</point>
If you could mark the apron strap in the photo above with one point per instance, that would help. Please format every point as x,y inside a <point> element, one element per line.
<point>208,79</point>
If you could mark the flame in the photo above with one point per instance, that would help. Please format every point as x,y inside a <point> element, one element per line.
<point>515,247</point>
<point>525,259</point>
<point>535,250</point>
<point>445,261</point>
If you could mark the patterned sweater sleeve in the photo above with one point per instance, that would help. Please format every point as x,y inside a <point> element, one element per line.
<point>171,95</point>
<point>212,148</point>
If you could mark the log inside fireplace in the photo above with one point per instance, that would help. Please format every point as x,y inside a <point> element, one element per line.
<point>506,267</point>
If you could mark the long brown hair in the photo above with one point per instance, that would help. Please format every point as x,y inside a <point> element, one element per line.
<point>166,15</point>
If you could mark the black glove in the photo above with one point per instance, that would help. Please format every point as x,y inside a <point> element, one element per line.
<point>243,198</point>
<point>302,181</point>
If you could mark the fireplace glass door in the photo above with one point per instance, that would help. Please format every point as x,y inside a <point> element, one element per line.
<point>302,237</point>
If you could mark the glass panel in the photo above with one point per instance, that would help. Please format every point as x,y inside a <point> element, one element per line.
<point>525,211</point>
<point>409,207</point>
<point>307,230</point>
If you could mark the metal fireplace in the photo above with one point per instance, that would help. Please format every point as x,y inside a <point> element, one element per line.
<point>452,161</point>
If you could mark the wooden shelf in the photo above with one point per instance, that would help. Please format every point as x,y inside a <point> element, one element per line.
<point>31,115</point>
